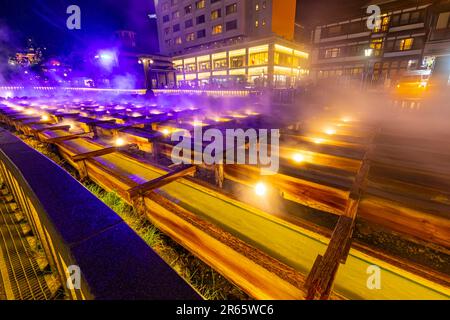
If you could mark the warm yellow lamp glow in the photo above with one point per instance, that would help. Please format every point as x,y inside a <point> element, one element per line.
<point>260,189</point>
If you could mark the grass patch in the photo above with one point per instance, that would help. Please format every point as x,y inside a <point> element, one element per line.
<point>210,284</point>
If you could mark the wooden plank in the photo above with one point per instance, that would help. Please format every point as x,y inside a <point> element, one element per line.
<point>53,128</point>
<point>66,138</point>
<point>162,181</point>
<point>323,276</point>
<point>93,154</point>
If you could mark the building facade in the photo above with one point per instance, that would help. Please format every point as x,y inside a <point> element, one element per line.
<point>437,48</point>
<point>349,52</point>
<point>231,43</point>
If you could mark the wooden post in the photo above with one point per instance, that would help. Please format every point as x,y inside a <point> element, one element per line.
<point>161,181</point>
<point>219,174</point>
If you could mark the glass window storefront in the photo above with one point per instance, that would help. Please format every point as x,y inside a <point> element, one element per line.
<point>246,66</point>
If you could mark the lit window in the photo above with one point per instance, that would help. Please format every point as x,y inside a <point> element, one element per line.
<point>384,26</point>
<point>216,14</point>
<point>377,45</point>
<point>258,58</point>
<point>176,15</point>
<point>232,8</point>
<point>190,37</point>
<point>200,4</point>
<point>178,40</point>
<point>217,29</point>
<point>256,24</point>
<point>263,22</point>
<point>257,7</point>
<point>405,44</point>
<point>443,21</point>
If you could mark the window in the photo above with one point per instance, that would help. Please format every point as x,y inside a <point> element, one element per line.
<point>259,58</point>
<point>188,24</point>
<point>415,17</point>
<point>217,29</point>
<point>165,6</point>
<point>169,42</point>
<point>214,1</point>
<point>175,15</point>
<point>264,4</point>
<point>237,62</point>
<point>443,21</point>
<point>256,23</point>
<point>220,64</point>
<point>188,9</point>
<point>176,27</point>
<point>230,9</point>
<point>384,27</point>
<point>257,7</point>
<point>166,31</point>
<point>335,30</point>
<point>201,34</point>
<point>332,53</point>
<point>216,14</point>
<point>191,67</point>
<point>283,59</point>
<point>231,25</point>
<point>166,18</point>
<point>190,37</point>
<point>204,66</point>
<point>178,40</point>
<point>200,19</point>
<point>377,45</point>
<point>263,22</point>
<point>404,44</point>
<point>404,18</point>
<point>408,18</point>
<point>200,4</point>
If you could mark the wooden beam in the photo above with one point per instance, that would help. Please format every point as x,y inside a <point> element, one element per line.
<point>66,138</point>
<point>93,154</point>
<point>320,280</point>
<point>53,128</point>
<point>321,277</point>
<point>162,181</point>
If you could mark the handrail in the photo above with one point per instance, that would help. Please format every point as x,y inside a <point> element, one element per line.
<point>76,229</point>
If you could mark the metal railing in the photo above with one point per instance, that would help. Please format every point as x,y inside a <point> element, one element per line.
<point>95,254</point>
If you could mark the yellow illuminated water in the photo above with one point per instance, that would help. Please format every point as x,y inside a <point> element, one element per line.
<point>295,247</point>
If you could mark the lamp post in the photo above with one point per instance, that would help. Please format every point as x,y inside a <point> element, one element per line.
<point>147,71</point>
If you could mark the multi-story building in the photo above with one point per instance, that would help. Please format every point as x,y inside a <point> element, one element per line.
<point>437,48</point>
<point>348,51</point>
<point>220,43</point>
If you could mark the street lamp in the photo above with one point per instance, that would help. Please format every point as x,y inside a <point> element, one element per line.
<point>147,71</point>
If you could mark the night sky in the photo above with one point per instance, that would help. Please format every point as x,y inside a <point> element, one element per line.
<point>45,20</point>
